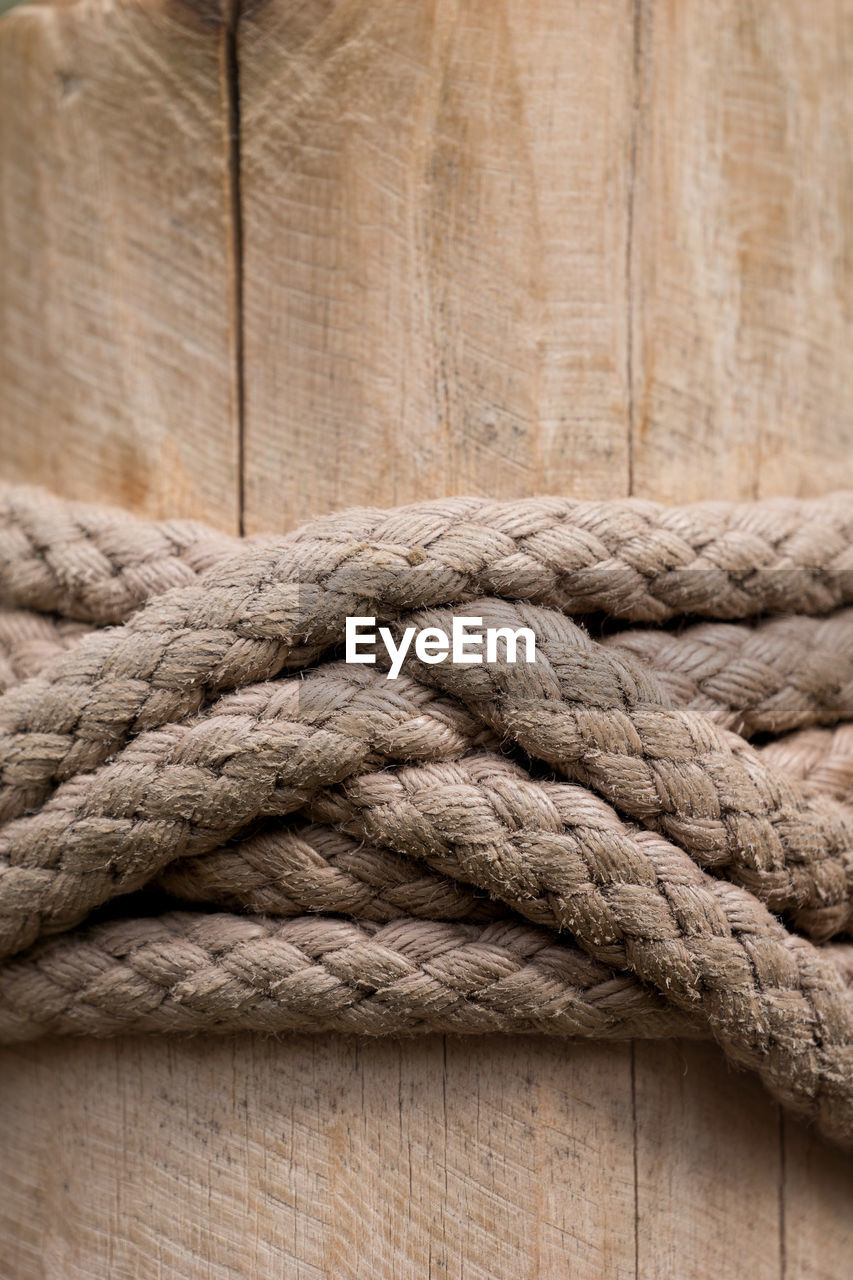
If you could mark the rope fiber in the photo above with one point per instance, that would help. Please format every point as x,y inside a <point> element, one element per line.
<point>586,844</point>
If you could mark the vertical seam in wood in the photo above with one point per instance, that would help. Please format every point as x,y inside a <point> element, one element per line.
<point>232,95</point>
<point>636,19</point>
<point>636,1160</point>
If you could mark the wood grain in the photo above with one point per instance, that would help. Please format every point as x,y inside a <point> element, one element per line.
<point>116,335</point>
<point>316,1156</point>
<point>742,270</point>
<point>435,207</point>
<point>817,1203</point>
<point>709,1166</point>
<point>500,247</point>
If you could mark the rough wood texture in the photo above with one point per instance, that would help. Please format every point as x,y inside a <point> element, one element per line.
<point>742,270</point>
<point>435,233</point>
<point>116,329</point>
<point>500,247</point>
<point>315,1157</point>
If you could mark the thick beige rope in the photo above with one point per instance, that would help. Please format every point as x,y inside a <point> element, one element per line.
<point>29,642</point>
<point>185,972</point>
<point>562,857</point>
<point>774,691</point>
<point>160,774</point>
<point>594,714</point>
<point>771,677</point>
<point>315,868</point>
<point>251,874</point>
<point>93,563</point>
<point>306,866</point>
<point>268,749</point>
<point>186,788</point>
<point>779,674</point>
<point>822,758</point>
<point>250,615</point>
<point>276,745</point>
<point>630,558</point>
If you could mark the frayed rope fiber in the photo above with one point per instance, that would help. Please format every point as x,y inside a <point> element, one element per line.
<point>586,844</point>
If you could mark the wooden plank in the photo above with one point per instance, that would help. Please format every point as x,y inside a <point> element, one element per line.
<point>742,277</point>
<point>315,1156</point>
<point>818,1207</point>
<point>435,203</point>
<point>116,332</point>
<point>708,1167</point>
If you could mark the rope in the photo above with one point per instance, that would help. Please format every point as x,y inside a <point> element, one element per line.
<point>822,758</point>
<point>314,867</point>
<point>780,674</point>
<point>267,749</point>
<point>29,642</point>
<point>598,717</point>
<point>247,617</point>
<point>418,866</point>
<point>222,973</point>
<point>631,559</point>
<point>772,698</point>
<point>783,673</point>
<point>631,899</point>
<point>95,564</point>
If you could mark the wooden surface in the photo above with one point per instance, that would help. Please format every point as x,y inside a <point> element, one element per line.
<point>582,247</point>
<point>435,235</point>
<point>116,323</point>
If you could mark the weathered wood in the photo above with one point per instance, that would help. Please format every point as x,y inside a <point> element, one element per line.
<point>492,247</point>
<point>317,1156</point>
<point>817,1203</point>
<point>116,333</point>
<point>435,204</point>
<point>742,274</point>
<point>709,1166</point>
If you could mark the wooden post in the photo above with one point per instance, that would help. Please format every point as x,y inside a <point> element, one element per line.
<point>256,266</point>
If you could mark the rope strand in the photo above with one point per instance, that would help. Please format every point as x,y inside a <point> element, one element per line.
<point>595,715</point>
<point>783,673</point>
<point>184,972</point>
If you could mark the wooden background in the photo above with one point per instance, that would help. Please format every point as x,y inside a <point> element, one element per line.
<point>259,264</point>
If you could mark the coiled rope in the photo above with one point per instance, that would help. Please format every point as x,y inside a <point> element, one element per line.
<point>583,845</point>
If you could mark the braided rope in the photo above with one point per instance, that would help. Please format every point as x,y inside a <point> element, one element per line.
<point>594,714</point>
<point>96,564</point>
<point>265,750</point>
<point>251,614</point>
<point>822,758</point>
<point>783,673</point>
<point>184,972</point>
<point>146,755</point>
<point>772,695</point>
<point>185,788</point>
<point>313,867</point>
<point>200,788</point>
<point>29,642</point>
<point>563,858</point>
<point>631,558</point>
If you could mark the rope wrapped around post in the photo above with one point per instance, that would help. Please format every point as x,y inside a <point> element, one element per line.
<point>584,844</point>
